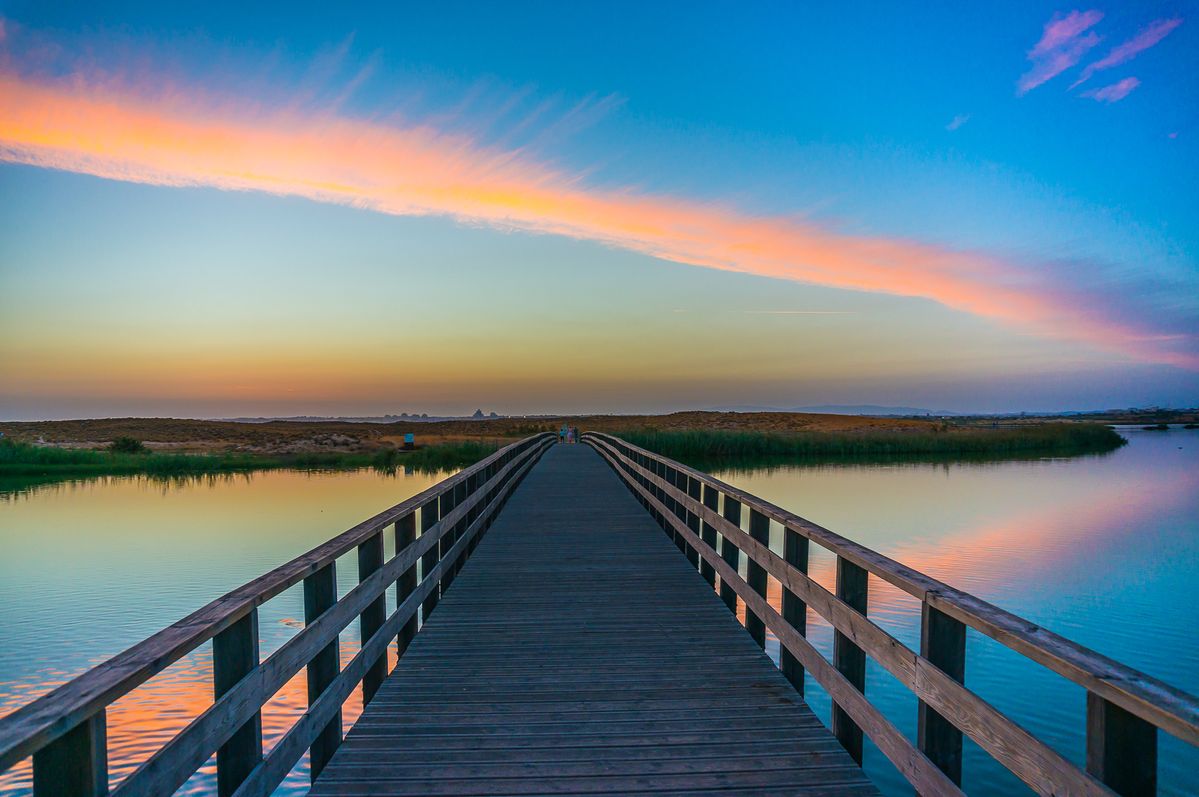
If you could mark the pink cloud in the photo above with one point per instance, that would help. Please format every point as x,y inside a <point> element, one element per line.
<point>1115,92</point>
<point>1062,45</point>
<point>1148,37</point>
<point>1060,31</point>
<point>183,137</point>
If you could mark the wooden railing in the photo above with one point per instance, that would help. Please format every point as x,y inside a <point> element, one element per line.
<point>65,730</point>
<point>1124,711</point>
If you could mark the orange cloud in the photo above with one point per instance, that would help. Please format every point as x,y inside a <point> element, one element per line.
<point>182,138</point>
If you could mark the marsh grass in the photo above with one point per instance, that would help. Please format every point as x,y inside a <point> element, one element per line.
<point>18,459</point>
<point>701,448</point>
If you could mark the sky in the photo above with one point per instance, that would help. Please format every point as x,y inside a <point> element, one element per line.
<point>596,207</point>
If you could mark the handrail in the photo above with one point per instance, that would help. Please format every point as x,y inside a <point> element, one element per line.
<point>66,726</point>
<point>1124,707</point>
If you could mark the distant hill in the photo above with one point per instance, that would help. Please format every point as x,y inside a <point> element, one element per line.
<point>841,409</point>
<point>405,417</point>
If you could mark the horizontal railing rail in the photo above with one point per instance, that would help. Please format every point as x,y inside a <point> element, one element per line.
<point>65,730</point>
<point>1125,708</point>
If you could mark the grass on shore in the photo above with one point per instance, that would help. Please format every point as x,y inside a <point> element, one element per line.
<point>25,459</point>
<point>725,447</point>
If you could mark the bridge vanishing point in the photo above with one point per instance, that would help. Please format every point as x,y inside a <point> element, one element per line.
<point>565,646</point>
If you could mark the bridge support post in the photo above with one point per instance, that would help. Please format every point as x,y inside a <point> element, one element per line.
<point>656,468</point>
<point>943,643</point>
<point>710,499</point>
<point>795,611</point>
<point>76,763</point>
<point>473,483</point>
<point>755,575</point>
<point>729,552</point>
<point>406,535</point>
<point>692,488</point>
<point>320,594</point>
<point>234,656</point>
<point>461,493</point>
<point>1121,748</point>
<point>428,517</point>
<point>663,472</point>
<point>370,559</point>
<point>449,500</point>
<point>848,658</point>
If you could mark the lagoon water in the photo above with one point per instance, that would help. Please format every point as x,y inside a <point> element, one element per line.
<point>1104,550</point>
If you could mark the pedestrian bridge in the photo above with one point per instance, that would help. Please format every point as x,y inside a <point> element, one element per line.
<point>552,640</point>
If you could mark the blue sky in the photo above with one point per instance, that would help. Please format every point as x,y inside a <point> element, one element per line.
<point>839,129</point>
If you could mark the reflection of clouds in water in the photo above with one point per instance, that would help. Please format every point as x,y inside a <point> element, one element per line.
<point>141,722</point>
<point>1100,549</point>
<point>996,530</point>
<point>103,563</point>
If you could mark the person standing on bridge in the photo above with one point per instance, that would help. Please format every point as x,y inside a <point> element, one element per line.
<point>562,434</point>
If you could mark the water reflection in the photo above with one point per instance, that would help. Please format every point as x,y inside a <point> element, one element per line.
<point>1100,549</point>
<point>92,567</point>
<point>14,488</point>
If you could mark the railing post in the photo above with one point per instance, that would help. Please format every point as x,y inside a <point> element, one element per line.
<point>76,763</point>
<point>1121,748</point>
<point>693,491</point>
<point>661,470</point>
<point>640,479</point>
<point>406,585</point>
<point>370,559</point>
<point>654,467</point>
<point>644,462</point>
<point>320,593</point>
<point>449,500</point>
<point>795,611</point>
<point>234,656</point>
<point>711,499</point>
<point>755,575</point>
<point>472,486</point>
<point>428,517</point>
<point>461,493</point>
<point>729,552</point>
<point>848,658</point>
<point>943,643</point>
<point>680,511</point>
<point>676,508</point>
<point>431,557</point>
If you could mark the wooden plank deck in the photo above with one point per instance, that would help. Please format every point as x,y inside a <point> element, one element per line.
<point>578,652</point>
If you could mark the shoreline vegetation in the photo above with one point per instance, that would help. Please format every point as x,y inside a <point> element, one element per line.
<point>738,450</point>
<point>20,459</point>
<point>172,448</point>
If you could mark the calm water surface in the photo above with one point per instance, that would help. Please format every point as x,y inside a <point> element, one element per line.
<point>1102,549</point>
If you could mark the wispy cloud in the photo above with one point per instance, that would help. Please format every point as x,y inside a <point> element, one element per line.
<point>1063,43</point>
<point>181,137</point>
<point>799,312</point>
<point>1146,38</point>
<point>1115,92</point>
<point>957,121</point>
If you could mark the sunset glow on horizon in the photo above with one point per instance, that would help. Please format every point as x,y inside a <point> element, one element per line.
<point>1114,309</point>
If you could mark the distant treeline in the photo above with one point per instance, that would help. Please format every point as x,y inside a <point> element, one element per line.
<point>25,459</point>
<point>707,447</point>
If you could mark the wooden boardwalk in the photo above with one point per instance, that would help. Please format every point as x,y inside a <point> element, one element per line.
<point>578,652</point>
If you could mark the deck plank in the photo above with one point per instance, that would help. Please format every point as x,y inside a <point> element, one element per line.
<point>578,652</point>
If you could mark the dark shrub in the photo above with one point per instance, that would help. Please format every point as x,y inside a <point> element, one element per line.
<point>127,445</point>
